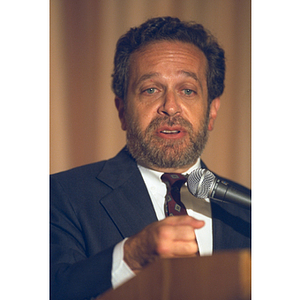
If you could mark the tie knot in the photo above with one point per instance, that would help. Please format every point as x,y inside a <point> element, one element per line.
<point>173,179</point>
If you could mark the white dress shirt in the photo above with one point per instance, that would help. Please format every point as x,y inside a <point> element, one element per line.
<point>197,208</point>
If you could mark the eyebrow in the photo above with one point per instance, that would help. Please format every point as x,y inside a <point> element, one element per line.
<point>193,75</point>
<point>147,76</point>
<point>156,74</point>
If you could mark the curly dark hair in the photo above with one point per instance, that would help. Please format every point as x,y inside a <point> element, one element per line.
<point>170,29</point>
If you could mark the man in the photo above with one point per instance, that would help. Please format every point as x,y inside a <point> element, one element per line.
<point>108,219</point>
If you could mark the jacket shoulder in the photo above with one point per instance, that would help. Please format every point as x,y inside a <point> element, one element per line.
<point>92,169</point>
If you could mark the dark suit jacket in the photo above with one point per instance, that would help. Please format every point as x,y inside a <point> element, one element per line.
<point>94,207</point>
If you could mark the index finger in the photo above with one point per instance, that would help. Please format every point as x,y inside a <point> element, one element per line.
<point>184,220</point>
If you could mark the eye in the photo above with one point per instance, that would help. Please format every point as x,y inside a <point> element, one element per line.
<point>150,91</point>
<point>188,92</point>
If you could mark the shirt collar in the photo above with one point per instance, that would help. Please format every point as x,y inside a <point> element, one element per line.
<point>151,176</point>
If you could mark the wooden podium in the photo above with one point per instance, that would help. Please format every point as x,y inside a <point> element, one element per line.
<point>223,276</point>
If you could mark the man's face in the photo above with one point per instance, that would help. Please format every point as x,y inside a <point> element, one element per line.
<point>166,115</point>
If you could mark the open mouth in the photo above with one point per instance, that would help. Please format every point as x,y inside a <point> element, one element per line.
<point>171,133</point>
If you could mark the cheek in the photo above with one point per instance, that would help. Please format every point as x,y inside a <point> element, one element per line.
<point>144,121</point>
<point>197,117</point>
<point>143,116</point>
<point>135,119</point>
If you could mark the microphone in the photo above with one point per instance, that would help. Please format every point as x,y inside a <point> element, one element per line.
<point>203,184</point>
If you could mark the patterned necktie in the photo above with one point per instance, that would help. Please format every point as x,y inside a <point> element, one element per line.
<point>173,204</point>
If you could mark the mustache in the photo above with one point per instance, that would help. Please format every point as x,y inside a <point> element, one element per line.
<point>169,121</point>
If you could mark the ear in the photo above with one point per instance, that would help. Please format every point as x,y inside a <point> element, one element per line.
<point>214,107</point>
<point>121,109</point>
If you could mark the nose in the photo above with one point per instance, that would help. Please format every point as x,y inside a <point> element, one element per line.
<point>170,105</point>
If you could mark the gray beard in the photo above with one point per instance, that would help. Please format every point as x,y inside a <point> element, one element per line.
<point>152,151</point>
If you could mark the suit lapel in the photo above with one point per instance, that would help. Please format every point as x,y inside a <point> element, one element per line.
<point>128,204</point>
<point>230,229</point>
<point>218,227</point>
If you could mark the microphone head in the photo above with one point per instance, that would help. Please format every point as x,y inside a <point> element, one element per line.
<point>200,182</point>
